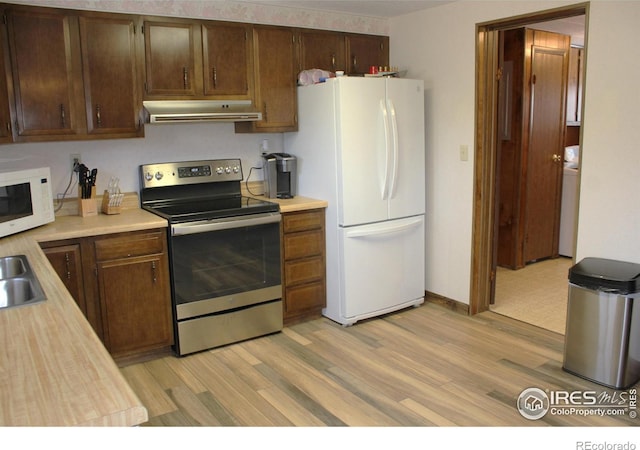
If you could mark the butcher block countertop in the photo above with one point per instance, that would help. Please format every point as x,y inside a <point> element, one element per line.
<point>54,370</point>
<point>297,203</point>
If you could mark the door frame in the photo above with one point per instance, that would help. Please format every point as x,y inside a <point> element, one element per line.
<point>483,250</point>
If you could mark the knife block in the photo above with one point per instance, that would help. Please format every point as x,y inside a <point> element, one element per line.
<point>87,206</point>
<point>107,205</point>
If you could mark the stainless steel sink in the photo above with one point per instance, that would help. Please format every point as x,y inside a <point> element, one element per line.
<point>18,284</point>
<point>11,266</point>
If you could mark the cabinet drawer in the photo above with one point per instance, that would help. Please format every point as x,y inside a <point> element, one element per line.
<point>130,245</point>
<point>304,297</point>
<point>302,221</point>
<point>302,245</point>
<point>303,271</point>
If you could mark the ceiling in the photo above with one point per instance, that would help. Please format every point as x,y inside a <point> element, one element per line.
<point>371,8</point>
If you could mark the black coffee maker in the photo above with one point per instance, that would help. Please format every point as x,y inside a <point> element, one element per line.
<point>280,175</point>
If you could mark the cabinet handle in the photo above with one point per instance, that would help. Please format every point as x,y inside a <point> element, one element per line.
<point>153,272</point>
<point>66,260</point>
<point>333,61</point>
<point>185,77</point>
<point>62,115</point>
<point>98,116</point>
<point>214,75</point>
<point>264,107</point>
<point>355,63</point>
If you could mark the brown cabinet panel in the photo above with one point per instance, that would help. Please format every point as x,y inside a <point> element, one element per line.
<point>67,262</point>
<point>306,299</point>
<point>6,92</point>
<point>135,311</point>
<point>364,51</point>
<point>111,80</point>
<point>304,270</point>
<point>304,267</point>
<point>323,50</point>
<point>45,70</point>
<point>226,60</point>
<point>275,76</point>
<point>170,56</point>
<point>129,245</point>
<point>303,244</point>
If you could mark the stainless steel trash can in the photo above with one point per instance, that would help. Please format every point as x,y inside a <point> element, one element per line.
<point>602,337</point>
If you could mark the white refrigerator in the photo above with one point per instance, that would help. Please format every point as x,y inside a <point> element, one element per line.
<point>360,146</point>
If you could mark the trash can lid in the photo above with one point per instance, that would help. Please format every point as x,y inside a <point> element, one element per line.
<point>606,275</point>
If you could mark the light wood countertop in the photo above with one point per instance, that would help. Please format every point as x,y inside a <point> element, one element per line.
<point>54,370</point>
<point>297,203</point>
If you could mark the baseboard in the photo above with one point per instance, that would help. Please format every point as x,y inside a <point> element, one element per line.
<point>451,304</point>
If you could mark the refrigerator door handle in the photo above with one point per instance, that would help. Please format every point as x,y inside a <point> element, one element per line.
<point>386,156</point>
<point>394,148</point>
<point>385,228</point>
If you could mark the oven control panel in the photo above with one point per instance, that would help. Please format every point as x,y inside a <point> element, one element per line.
<point>190,172</point>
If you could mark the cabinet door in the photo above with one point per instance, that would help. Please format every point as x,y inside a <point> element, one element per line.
<point>364,51</point>
<point>322,50</point>
<point>45,64</point>
<point>5,94</point>
<point>275,64</point>
<point>170,49</point>
<point>110,70</point>
<point>67,262</point>
<point>226,60</point>
<point>136,308</point>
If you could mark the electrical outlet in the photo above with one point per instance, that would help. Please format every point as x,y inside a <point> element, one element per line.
<point>75,160</point>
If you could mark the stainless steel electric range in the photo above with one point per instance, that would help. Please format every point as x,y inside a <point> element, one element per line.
<point>224,252</point>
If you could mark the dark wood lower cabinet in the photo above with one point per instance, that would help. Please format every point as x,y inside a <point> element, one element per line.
<point>121,283</point>
<point>304,267</point>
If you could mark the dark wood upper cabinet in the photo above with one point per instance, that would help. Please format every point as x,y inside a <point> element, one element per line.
<point>5,100</point>
<point>186,59</point>
<point>227,60</point>
<point>170,49</point>
<point>364,51</point>
<point>111,75</point>
<point>323,50</point>
<point>45,63</point>
<point>275,76</point>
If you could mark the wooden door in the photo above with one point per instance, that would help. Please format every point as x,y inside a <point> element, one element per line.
<point>323,50</point>
<point>111,81</point>
<point>46,78</point>
<point>5,95</point>
<point>227,60</point>
<point>170,57</point>
<point>544,152</point>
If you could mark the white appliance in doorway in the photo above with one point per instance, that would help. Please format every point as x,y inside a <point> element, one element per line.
<point>360,146</point>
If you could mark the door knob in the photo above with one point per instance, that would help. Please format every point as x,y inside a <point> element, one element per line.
<point>556,158</point>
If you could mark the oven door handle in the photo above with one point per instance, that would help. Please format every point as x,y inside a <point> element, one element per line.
<point>206,226</point>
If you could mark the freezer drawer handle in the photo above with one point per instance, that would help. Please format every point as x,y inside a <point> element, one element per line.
<point>384,229</point>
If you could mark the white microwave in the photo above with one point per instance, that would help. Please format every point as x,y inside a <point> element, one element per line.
<point>26,200</point>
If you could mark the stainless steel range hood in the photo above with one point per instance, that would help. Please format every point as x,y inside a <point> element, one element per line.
<point>175,111</point>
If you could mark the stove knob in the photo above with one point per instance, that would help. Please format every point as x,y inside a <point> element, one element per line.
<point>236,169</point>
<point>219,170</point>
<point>159,175</point>
<point>148,176</point>
<point>227,169</point>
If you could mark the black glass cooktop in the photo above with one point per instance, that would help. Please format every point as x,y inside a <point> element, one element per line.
<point>216,208</point>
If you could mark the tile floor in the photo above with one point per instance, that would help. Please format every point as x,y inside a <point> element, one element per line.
<point>536,294</point>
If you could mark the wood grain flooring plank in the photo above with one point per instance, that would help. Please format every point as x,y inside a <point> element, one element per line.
<point>192,407</point>
<point>151,394</point>
<point>417,367</point>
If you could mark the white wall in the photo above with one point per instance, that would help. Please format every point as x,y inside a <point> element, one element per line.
<point>121,157</point>
<point>438,45</point>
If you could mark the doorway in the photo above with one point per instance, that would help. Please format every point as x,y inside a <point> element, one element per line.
<point>486,213</point>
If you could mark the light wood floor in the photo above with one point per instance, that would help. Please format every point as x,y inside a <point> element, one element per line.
<point>536,294</point>
<point>425,366</point>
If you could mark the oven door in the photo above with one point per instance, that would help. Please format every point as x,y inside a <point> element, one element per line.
<point>226,264</point>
